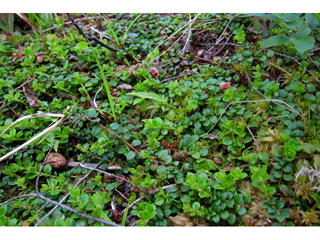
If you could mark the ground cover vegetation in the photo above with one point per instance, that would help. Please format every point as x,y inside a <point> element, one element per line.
<point>159,120</point>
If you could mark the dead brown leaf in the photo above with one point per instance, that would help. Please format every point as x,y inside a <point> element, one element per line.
<point>31,96</point>
<point>56,160</point>
<point>125,86</point>
<point>25,223</point>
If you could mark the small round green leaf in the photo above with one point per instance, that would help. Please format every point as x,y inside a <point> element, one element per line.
<point>227,140</point>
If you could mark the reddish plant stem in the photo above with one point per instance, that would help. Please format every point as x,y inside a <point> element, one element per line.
<point>110,131</point>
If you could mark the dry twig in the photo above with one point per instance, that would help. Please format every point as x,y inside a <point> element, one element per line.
<point>255,140</point>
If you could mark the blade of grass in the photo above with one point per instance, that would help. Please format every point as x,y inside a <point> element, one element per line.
<point>114,35</point>
<point>124,217</point>
<point>105,83</point>
<point>125,34</point>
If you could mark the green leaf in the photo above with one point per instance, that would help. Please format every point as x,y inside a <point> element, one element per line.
<point>303,32</point>
<point>264,156</point>
<point>47,169</point>
<point>130,155</point>
<point>317,15</point>
<point>196,155</point>
<point>3,209</point>
<point>218,186</point>
<point>287,177</point>
<point>308,148</point>
<point>202,184</point>
<point>303,44</point>
<point>227,140</point>
<point>124,217</point>
<point>97,212</point>
<point>159,201</point>
<point>152,96</point>
<point>275,41</point>
<point>59,222</point>
<point>242,211</point>
<point>121,149</point>
<point>285,212</point>
<point>105,83</point>
<point>231,219</point>
<point>204,152</point>
<point>280,217</point>
<point>311,20</point>
<point>3,220</point>
<point>256,23</point>
<point>95,131</point>
<point>295,24</point>
<point>216,218</point>
<point>224,215</point>
<point>28,52</point>
<point>114,126</point>
<point>192,140</point>
<point>82,45</point>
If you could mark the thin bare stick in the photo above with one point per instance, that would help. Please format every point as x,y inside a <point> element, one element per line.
<point>190,22</point>
<point>148,193</point>
<point>17,197</point>
<point>189,35</point>
<point>280,54</point>
<point>64,198</point>
<point>91,37</point>
<point>115,176</point>
<point>135,202</point>
<point>291,108</point>
<point>32,116</point>
<point>255,140</point>
<point>42,165</point>
<point>262,100</point>
<point>217,44</point>
<point>168,79</point>
<point>220,38</point>
<point>62,206</point>
<point>121,195</point>
<point>222,58</point>
<point>92,165</point>
<point>96,106</point>
<point>35,137</point>
<point>110,131</point>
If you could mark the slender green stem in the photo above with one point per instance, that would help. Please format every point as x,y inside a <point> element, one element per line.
<point>125,34</point>
<point>105,83</point>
